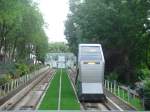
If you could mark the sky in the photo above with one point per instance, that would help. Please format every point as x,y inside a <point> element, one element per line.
<point>54,13</point>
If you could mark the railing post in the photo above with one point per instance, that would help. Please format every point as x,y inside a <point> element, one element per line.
<point>22,80</point>
<point>11,87</point>
<point>118,90</point>
<point>0,90</point>
<point>26,78</point>
<point>15,83</point>
<point>108,85</point>
<point>114,86</point>
<point>105,84</point>
<point>111,87</point>
<point>128,93</point>
<point>5,89</point>
<point>123,93</point>
<point>19,82</point>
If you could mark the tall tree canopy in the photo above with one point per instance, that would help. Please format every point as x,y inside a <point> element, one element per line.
<point>121,26</point>
<point>21,31</point>
<point>58,47</point>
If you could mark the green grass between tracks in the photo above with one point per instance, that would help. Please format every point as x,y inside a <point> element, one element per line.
<point>68,98</point>
<point>50,101</point>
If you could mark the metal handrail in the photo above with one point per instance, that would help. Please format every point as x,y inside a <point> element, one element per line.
<point>10,86</point>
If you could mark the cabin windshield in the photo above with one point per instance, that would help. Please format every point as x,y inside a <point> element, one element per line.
<point>90,53</point>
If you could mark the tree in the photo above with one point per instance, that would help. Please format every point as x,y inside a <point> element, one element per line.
<point>119,26</point>
<point>21,30</point>
<point>58,47</point>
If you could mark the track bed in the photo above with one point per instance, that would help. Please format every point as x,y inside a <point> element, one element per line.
<point>60,95</point>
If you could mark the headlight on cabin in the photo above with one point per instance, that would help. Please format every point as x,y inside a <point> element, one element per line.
<point>91,63</point>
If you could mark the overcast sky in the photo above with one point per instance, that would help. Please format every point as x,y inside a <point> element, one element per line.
<point>54,13</point>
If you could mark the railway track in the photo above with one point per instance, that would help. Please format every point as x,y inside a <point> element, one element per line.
<point>94,106</point>
<point>89,105</point>
<point>102,106</point>
<point>113,103</point>
<point>31,99</point>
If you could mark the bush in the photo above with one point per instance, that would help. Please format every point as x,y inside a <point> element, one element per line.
<point>17,70</point>
<point>32,67</point>
<point>112,76</point>
<point>143,73</point>
<point>22,69</point>
<point>6,78</point>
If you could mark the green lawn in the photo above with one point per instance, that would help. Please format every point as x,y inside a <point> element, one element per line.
<point>68,98</point>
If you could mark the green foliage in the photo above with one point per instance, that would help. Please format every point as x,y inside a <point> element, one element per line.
<point>21,69</point>
<point>116,24</point>
<point>147,88</point>
<point>32,67</point>
<point>113,76</point>
<point>17,70</point>
<point>8,69</point>
<point>21,30</point>
<point>58,47</point>
<point>143,73</point>
<point>4,79</point>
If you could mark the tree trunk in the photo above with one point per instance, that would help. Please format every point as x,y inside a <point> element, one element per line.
<point>14,47</point>
<point>127,68</point>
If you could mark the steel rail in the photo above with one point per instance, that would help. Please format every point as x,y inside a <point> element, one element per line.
<point>26,107</point>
